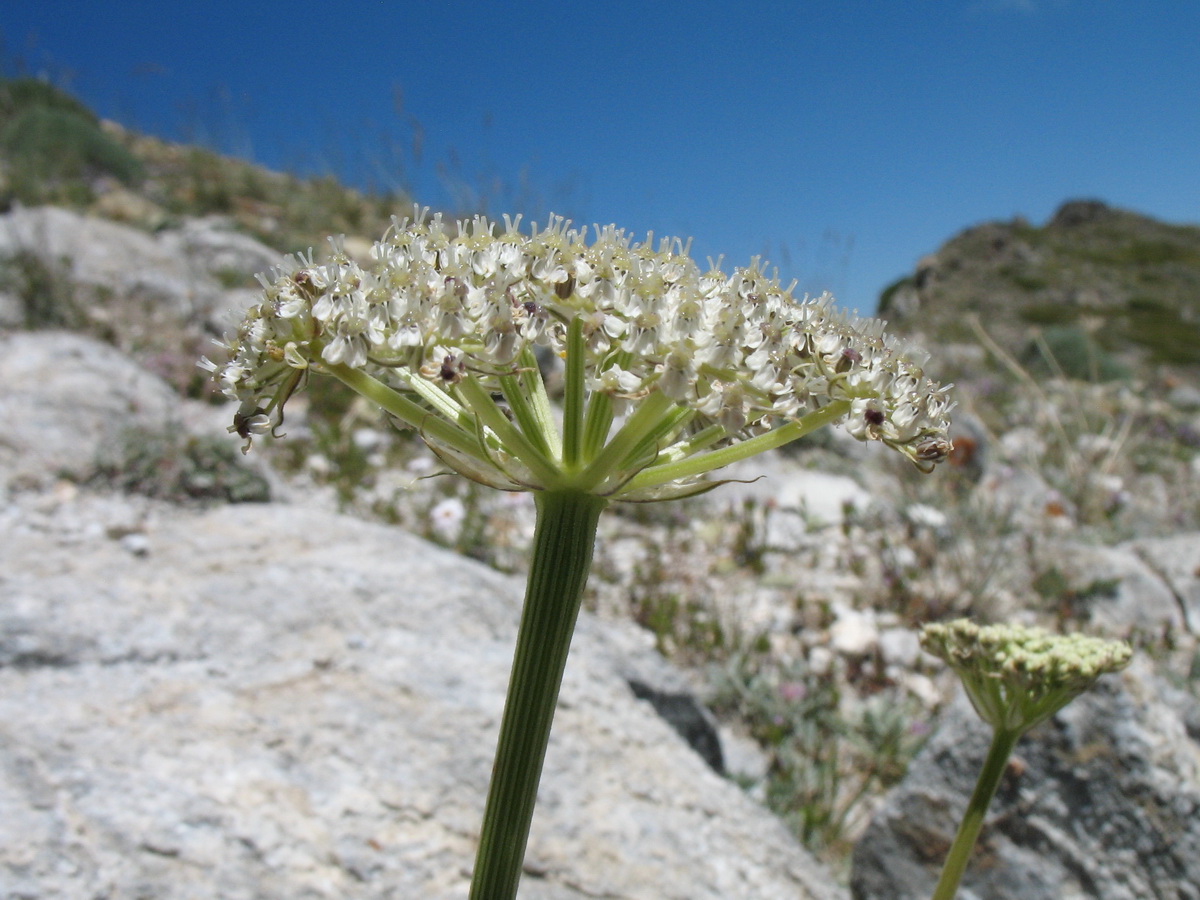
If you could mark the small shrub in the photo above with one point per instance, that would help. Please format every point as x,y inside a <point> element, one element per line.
<point>46,292</point>
<point>826,754</point>
<point>1029,281</point>
<point>20,94</point>
<point>1163,331</point>
<point>167,465</point>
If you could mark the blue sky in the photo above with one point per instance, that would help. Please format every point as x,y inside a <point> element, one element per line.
<point>841,140</point>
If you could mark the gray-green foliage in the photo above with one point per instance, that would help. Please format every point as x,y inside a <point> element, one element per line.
<point>168,465</point>
<point>825,754</point>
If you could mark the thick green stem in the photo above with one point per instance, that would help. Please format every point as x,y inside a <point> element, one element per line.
<point>558,570</point>
<point>1003,742</point>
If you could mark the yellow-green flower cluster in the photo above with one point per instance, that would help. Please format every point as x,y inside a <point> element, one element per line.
<point>1017,677</point>
<point>450,316</point>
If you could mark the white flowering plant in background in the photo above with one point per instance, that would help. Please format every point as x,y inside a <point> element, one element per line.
<point>669,372</point>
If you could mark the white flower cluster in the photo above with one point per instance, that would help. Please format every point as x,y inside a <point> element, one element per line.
<point>444,304</point>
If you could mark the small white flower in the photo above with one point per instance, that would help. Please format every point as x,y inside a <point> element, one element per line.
<point>926,516</point>
<point>446,518</point>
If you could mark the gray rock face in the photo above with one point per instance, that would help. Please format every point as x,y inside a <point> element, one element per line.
<point>210,245</point>
<point>175,276</point>
<point>1103,803</point>
<point>64,397</point>
<point>1138,599</point>
<point>101,254</point>
<point>1176,560</point>
<point>264,701</point>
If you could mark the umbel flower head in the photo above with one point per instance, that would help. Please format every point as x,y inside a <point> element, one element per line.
<point>669,371</point>
<point>1017,677</point>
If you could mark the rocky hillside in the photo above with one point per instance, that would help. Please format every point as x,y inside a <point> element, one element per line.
<point>53,150</point>
<point>1127,282</point>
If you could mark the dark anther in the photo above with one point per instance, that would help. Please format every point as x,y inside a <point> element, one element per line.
<point>874,417</point>
<point>565,289</point>
<point>451,371</point>
<point>850,356</point>
<point>241,422</point>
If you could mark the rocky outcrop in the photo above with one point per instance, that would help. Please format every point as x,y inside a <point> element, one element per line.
<point>1115,589</point>
<point>130,285</point>
<point>1176,560</point>
<point>1093,273</point>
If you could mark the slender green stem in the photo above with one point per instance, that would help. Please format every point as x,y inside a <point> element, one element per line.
<point>406,410</point>
<point>669,424</point>
<point>513,439</point>
<point>596,424</point>
<point>436,397</point>
<point>694,444</point>
<point>526,396</point>
<point>644,418</point>
<point>558,570</point>
<point>715,459</point>
<point>1003,741</point>
<point>535,390</point>
<point>599,417</point>
<point>573,396</point>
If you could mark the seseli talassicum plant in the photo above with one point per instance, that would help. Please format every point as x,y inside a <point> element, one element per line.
<point>669,372</point>
<point>1016,678</point>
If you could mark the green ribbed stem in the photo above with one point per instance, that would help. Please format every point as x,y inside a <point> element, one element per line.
<point>1003,742</point>
<point>558,570</point>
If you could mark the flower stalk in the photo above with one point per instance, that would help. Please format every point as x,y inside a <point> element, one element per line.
<point>1003,742</point>
<point>1016,678</point>
<point>558,570</point>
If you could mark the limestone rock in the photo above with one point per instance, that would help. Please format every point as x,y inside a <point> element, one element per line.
<point>265,701</point>
<point>212,245</point>
<point>12,310</point>
<point>65,398</point>
<point>115,259</point>
<point>124,277</point>
<point>1104,803</point>
<point>1176,560</point>
<point>1135,597</point>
